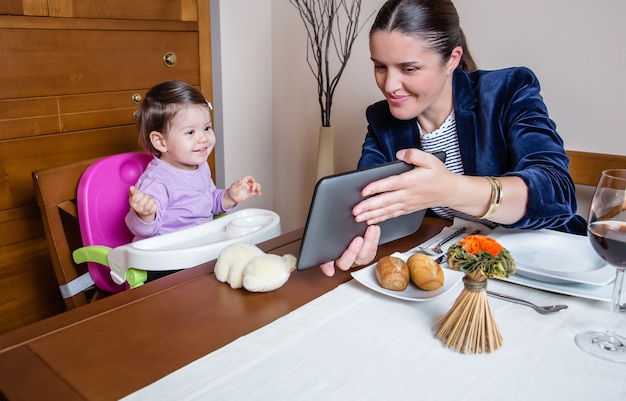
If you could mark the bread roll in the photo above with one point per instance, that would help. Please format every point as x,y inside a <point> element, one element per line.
<point>392,273</point>
<point>425,272</point>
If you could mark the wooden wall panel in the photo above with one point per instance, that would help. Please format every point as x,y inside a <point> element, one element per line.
<point>189,9</point>
<point>99,101</point>
<point>18,159</point>
<point>25,108</point>
<point>122,9</point>
<point>20,224</point>
<point>92,61</point>
<point>21,118</point>
<point>28,291</point>
<point>175,10</point>
<point>24,7</point>
<point>104,118</point>
<point>27,127</point>
<point>89,111</point>
<point>68,87</point>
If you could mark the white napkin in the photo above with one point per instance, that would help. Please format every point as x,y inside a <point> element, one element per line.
<point>354,344</point>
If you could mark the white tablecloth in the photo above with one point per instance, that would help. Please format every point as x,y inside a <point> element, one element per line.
<point>356,344</point>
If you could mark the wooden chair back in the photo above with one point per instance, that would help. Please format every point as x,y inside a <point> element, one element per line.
<point>586,167</point>
<point>55,190</point>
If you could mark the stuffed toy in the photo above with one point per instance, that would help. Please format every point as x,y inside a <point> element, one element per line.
<point>247,266</point>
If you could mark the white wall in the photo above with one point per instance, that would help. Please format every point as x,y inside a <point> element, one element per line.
<point>241,36</point>
<point>296,112</point>
<point>269,104</point>
<point>577,48</point>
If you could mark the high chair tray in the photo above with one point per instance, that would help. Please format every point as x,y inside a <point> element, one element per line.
<point>196,245</point>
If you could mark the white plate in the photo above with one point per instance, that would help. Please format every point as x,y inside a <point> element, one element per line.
<point>555,257</point>
<point>595,292</point>
<point>367,277</point>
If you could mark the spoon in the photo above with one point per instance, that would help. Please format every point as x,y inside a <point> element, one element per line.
<point>544,310</point>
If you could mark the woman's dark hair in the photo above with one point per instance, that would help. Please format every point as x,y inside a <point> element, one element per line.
<point>159,107</point>
<point>434,21</point>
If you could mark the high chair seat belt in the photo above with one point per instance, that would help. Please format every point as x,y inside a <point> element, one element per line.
<point>78,285</point>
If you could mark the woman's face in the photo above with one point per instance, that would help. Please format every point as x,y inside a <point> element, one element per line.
<point>412,77</point>
<point>189,139</point>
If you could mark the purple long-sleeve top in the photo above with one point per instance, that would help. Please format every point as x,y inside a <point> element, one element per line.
<point>185,197</point>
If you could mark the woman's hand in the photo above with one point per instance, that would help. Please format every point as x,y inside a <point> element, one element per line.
<point>431,184</point>
<point>361,251</point>
<point>423,187</point>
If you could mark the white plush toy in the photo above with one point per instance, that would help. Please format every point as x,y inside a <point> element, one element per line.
<point>232,261</point>
<point>247,266</point>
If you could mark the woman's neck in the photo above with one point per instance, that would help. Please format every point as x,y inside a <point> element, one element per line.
<point>438,112</point>
<point>431,120</point>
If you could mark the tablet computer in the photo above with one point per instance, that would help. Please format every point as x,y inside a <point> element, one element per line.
<point>330,225</point>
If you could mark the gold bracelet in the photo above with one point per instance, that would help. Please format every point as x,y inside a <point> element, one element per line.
<point>496,197</point>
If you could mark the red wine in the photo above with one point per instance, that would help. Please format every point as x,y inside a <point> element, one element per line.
<point>608,239</point>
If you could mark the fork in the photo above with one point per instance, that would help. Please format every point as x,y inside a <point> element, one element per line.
<point>436,250</point>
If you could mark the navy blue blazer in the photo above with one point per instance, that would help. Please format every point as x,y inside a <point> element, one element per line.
<point>504,130</point>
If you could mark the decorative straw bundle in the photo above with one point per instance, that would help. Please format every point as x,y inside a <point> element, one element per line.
<point>469,325</point>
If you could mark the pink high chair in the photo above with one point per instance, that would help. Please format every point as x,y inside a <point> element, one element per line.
<point>102,202</point>
<point>115,262</point>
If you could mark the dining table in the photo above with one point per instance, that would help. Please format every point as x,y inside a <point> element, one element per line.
<point>188,336</point>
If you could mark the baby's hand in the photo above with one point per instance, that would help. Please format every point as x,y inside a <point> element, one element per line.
<point>243,189</point>
<point>144,205</point>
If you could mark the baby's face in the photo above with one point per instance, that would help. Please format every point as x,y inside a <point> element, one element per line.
<point>190,138</point>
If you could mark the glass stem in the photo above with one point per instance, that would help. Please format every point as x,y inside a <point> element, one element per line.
<point>617,293</point>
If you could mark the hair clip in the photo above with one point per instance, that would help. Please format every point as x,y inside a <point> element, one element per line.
<point>209,104</point>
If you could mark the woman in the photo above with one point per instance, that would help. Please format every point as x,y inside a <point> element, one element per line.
<point>505,161</point>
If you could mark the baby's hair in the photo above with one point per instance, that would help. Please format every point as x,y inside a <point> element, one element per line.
<point>159,107</point>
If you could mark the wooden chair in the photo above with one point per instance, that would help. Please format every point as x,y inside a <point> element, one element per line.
<point>55,190</point>
<point>102,187</point>
<point>586,168</point>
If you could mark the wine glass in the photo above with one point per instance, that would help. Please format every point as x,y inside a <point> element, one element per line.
<point>607,232</point>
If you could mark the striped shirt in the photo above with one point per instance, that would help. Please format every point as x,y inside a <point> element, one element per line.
<point>445,139</point>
